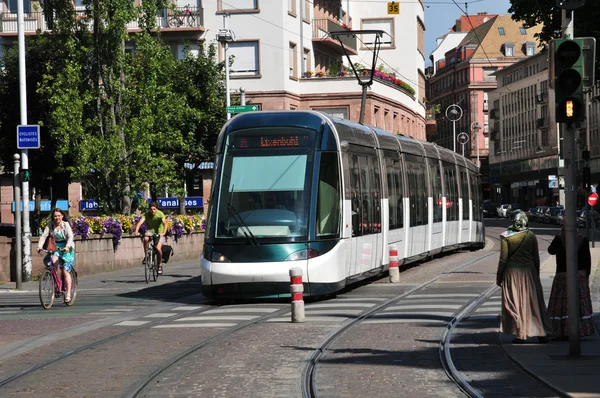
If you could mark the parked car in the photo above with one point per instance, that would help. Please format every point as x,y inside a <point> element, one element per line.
<point>531,213</point>
<point>489,209</point>
<point>512,209</point>
<point>503,210</point>
<point>550,216</point>
<point>539,214</point>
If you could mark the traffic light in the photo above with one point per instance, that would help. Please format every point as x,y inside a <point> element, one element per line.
<point>586,177</point>
<point>25,175</point>
<point>568,80</point>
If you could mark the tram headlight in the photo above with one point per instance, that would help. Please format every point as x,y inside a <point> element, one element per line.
<point>217,257</point>
<point>304,254</point>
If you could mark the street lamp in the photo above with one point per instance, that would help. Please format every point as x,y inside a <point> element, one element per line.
<point>475,127</point>
<point>454,112</point>
<point>226,36</point>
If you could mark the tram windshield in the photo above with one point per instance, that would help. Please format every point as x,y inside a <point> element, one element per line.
<point>265,186</point>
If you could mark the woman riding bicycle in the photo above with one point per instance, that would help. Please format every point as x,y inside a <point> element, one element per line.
<point>64,255</point>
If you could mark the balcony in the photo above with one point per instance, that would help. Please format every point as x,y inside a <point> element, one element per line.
<point>180,19</point>
<point>320,34</point>
<point>542,123</point>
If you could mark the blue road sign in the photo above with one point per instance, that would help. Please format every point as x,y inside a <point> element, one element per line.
<point>89,204</point>
<point>28,136</point>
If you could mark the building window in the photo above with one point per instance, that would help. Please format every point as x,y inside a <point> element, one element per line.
<point>246,59</point>
<point>237,5</point>
<point>306,60</point>
<point>529,48</point>
<point>12,6</point>
<point>335,112</point>
<point>501,31</point>
<point>523,30</point>
<point>79,5</point>
<point>509,49</point>
<point>292,7</point>
<point>293,58</point>
<point>387,25</point>
<point>306,16</point>
<point>488,74</point>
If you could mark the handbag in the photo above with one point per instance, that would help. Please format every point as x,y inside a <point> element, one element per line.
<point>50,243</point>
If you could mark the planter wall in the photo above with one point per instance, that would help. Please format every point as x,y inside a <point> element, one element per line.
<point>96,254</point>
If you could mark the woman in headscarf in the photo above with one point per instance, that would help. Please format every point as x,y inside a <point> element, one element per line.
<point>523,307</point>
<point>558,304</point>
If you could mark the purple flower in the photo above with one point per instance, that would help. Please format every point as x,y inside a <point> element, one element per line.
<point>113,226</point>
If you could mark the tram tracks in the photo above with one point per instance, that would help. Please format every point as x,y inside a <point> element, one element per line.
<point>309,387</point>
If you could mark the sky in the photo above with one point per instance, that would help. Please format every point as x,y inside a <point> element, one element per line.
<point>440,16</point>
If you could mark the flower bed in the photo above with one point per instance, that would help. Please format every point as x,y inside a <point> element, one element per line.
<point>117,225</point>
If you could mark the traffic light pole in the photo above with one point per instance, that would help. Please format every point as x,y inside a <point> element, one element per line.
<point>571,215</point>
<point>571,238</point>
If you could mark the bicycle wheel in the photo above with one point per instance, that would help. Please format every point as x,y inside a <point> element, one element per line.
<point>73,288</point>
<point>148,266</point>
<point>47,288</point>
<point>191,20</point>
<point>174,22</point>
<point>154,267</point>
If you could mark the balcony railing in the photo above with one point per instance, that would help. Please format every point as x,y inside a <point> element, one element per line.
<point>322,27</point>
<point>180,17</point>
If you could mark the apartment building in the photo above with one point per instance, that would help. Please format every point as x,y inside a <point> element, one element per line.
<point>466,75</point>
<point>284,58</point>
<point>525,142</point>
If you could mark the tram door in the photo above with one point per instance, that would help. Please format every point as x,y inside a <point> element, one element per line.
<point>465,233</point>
<point>365,184</point>
<point>418,194</point>
<point>451,194</point>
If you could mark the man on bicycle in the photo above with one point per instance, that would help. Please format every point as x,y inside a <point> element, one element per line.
<point>157,224</point>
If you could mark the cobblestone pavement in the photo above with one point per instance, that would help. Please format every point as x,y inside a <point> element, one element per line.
<point>391,354</point>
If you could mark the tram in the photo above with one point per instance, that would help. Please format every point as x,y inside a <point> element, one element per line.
<point>305,189</point>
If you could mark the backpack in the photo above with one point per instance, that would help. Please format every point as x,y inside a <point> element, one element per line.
<point>167,252</point>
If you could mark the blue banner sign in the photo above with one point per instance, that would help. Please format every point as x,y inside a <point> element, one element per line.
<point>89,204</point>
<point>44,205</point>
<point>173,203</point>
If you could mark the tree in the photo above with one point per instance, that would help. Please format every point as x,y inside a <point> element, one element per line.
<point>116,120</point>
<point>546,13</point>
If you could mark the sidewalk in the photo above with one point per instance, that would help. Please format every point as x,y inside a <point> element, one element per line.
<point>550,363</point>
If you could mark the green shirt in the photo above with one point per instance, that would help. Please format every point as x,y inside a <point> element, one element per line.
<point>155,223</point>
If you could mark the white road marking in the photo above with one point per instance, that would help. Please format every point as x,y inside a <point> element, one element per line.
<point>196,325</point>
<point>247,309</point>
<point>187,308</point>
<point>429,307</point>
<point>217,318</point>
<point>160,315</point>
<point>132,323</point>
<point>339,305</point>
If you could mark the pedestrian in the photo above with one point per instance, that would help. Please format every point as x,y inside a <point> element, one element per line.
<point>523,307</point>
<point>558,303</point>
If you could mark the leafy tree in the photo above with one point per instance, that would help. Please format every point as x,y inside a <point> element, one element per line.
<point>116,120</point>
<point>546,13</point>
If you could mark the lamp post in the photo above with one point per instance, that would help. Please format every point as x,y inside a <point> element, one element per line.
<point>475,127</point>
<point>454,112</point>
<point>226,36</point>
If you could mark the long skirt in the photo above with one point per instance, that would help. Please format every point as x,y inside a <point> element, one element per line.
<point>523,307</point>
<point>558,306</point>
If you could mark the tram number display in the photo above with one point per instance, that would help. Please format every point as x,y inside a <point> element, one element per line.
<point>272,141</point>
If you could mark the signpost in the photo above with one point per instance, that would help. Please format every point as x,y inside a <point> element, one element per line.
<point>28,136</point>
<point>393,8</point>
<point>593,199</point>
<point>242,108</point>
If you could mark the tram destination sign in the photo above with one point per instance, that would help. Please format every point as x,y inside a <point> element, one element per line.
<point>272,141</point>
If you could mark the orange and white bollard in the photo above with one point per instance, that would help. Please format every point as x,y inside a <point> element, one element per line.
<point>297,288</point>
<point>394,270</point>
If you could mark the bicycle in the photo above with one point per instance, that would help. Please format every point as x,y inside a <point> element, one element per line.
<point>185,16</point>
<point>151,264</point>
<point>52,287</point>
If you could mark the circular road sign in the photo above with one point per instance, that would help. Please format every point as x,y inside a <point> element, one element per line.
<point>462,138</point>
<point>593,199</point>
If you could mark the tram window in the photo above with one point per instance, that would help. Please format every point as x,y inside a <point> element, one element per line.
<point>476,205</point>
<point>394,181</point>
<point>398,173</point>
<point>328,197</point>
<point>376,194</point>
<point>365,195</point>
<point>417,189</point>
<point>465,194</point>
<point>355,189</point>
<point>436,186</point>
<point>451,191</point>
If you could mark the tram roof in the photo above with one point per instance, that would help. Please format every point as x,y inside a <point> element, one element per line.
<point>352,132</point>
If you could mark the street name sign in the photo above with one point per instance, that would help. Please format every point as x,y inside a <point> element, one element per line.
<point>242,108</point>
<point>28,136</point>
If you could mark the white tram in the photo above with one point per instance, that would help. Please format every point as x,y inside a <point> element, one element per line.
<point>304,189</point>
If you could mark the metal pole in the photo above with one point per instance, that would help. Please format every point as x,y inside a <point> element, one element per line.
<point>477,144</point>
<point>242,96</point>
<point>463,150</point>
<point>18,242</point>
<point>454,134</point>
<point>363,103</point>
<point>226,46</point>
<point>571,239</point>
<point>24,153</point>
<point>302,68</point>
